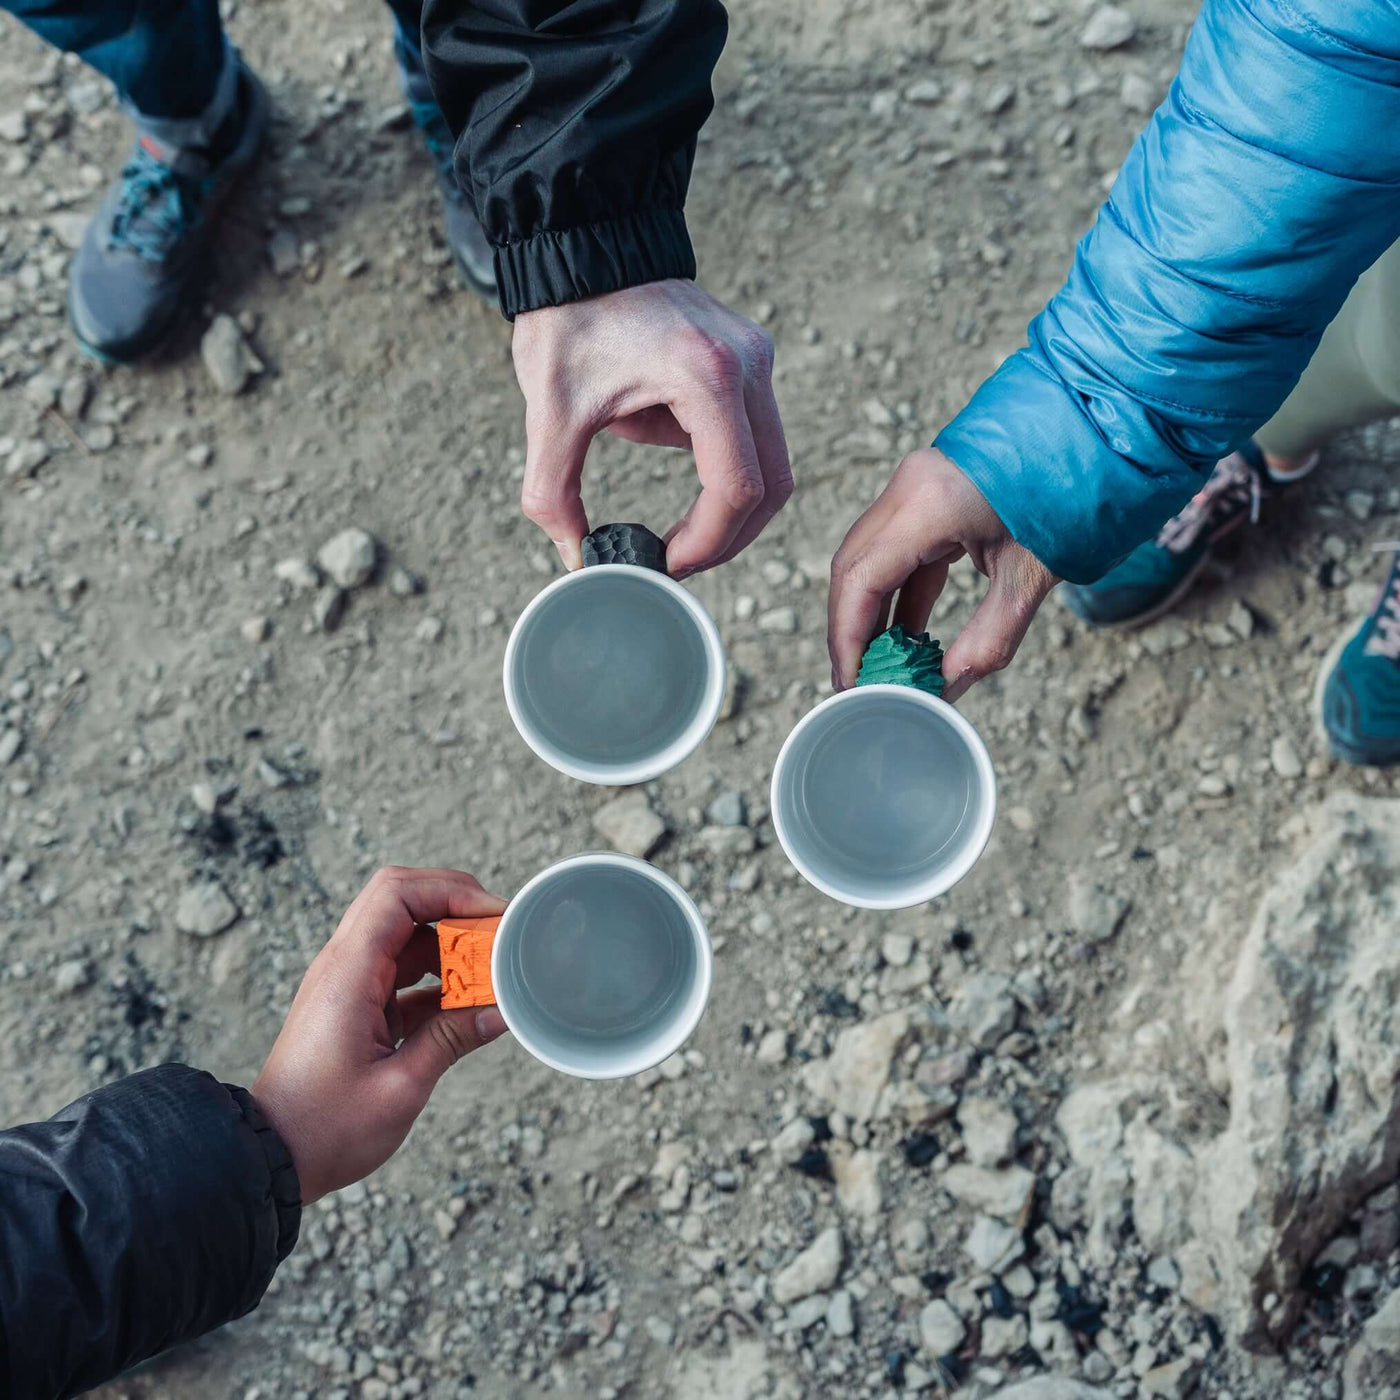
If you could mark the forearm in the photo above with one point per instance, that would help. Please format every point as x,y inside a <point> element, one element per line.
<point>576,126</point>
<point>140,1216</point>
<point>1240,220</point>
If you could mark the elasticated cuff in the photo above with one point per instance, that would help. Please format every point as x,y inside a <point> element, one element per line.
<point>558,266</point>
<point>1058,479</point>
<point>284,1190</point>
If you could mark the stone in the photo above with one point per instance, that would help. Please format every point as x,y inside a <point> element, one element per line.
<point>815,1270</point>
<point>941,1330</point>
<point>897,949</point>
<point>1173,1381</point>
<point>11,741</point>
<point>1137,93</point>
<point>403,583</point>
<point>256,629</point>
<point>840,1314</point>
<point>988,1131</point>
<point>71,976</point>
<point>1162,1273</point>
<point>349,557</point>
<point>924,93</point>
<point>1090,1120</point>
<point>27,458</point>
<point>781,620</point>
<point>984,1010</point>
<point>283,253</point>
<point>430,630</point>
<point>1312,1021</point>
<point>1284,757</point>
<point>1164,1180</point>
<point>14,125</point>
<point>793,1141</point>
<point>629,825</point>
<point>728,809</point>
<point>993,1245</point>
<point>857,1177</point>
<point>68,228</point>
<point>205,909</point>
<point>1001,1193</point>
<point>1372,1368</point>
<point>1095,913</point>
<point>1109,27</point>
<point>1052,1388</point>
<point>300,573</point>
<point>859,1068</point>
<point>773,1048</point>
<point>227,356</point>
<point>1003,1336</point>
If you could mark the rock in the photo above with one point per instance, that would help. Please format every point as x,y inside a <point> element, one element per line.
<point>1001,1336</point>
<point>1052,1388</point>
<point>793,1141</point>
<point>11,741</point>
<point>430,630</point>
<point>993,1245</point>
<point>1372,1367</point>
<point>988,1131</point>
<point>815,1270</point>
<point>783,620</point>
<point>1164,1179</point>
<point>71,976</point>
<point>857,1177</point>
<point>283,253</point>
<point>897,949</point>
<point>349,557</point>
<point>859,1067</point>
<point>74,395</point>
<point>1001,1193</point>
<point>1284,758</point>
<point>69,229</point>
<point>1095,913</point>
<point>27,458</point>
<point>1137,94</point>
<point>840,1314</point>
<point>629,825</point>
<point>773,1048</point>
<point>1090,1120</point>
<point>1312,1019</point>
<point>403,583</point>
<point>256,629</point>
<point>1162,1273</point>
<point>227,356</point>
<point>998,98</point>
<point>1107,1202</point>
<point>728,809</point>
<point>14,125</point>
<point>941,1330</point>
<point>300,573</point>
<point>924,93</point>
<point>1108,28</point>
<point>1174,1381</point>
<point>984,1010</point>
<point>205,909</point>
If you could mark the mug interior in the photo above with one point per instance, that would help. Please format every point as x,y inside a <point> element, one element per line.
<point>599,969</point>
<point>610,670</point>
<point>882,799</point>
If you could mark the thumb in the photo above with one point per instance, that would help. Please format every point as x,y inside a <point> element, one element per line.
<point>1019,585</point>
<point>444,1039</point>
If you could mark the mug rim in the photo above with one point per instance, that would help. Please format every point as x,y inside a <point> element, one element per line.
<point>700,937</point>
<point>641,770</point>
<point>951,874</point>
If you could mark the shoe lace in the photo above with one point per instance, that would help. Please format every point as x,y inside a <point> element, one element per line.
<point>156,207</point>
<point>1234,481</point>
<point>1385,636</point>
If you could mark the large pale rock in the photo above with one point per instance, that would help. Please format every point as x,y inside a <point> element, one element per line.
<point>813,1271</point>
<point>984,1010</point>
<point>205,909</point>
<point>1052,1388</point>
<point>857,1178</point>
<point>1164,1177</point>
<point>852,1080</point>
<point>629,825</point>
<point>1313,1019</point>
<point>999,1193</point>
<point>1373,1364</point>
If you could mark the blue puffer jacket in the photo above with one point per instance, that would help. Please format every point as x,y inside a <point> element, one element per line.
<point>1266,183</point>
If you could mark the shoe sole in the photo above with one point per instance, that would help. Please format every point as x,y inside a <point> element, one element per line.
<point>1157,610</point>
<point>241,163</point>
<point>1340,748</point>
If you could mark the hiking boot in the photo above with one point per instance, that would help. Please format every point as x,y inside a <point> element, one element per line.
<point>1157,575</point>
<point>465,237</point>
<point>145,255</point>
<point>1360,683</point>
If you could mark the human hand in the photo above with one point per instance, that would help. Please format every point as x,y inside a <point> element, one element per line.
<point>662,363</point>
<point>928,516</point>
<point>357,1057</point>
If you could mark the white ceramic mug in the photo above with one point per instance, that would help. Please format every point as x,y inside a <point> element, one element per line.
<point>883,796</point>
<point>614,674</point>
<point>601,966</point>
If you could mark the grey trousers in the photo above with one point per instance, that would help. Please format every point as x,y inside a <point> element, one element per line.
<point>1353,377</point>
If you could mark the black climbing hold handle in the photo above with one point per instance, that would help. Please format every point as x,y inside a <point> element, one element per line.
<point>625,544</point>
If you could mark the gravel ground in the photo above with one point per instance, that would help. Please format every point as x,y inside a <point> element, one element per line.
<point>1065,1121</point>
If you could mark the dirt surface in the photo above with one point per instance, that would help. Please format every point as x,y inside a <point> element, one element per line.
<point>894,236</point>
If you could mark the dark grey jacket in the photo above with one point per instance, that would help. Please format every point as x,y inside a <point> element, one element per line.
<point>140,1216</point>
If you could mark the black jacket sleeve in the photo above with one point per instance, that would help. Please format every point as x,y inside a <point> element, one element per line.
<point>576,123</point>
<point>140,1216</point>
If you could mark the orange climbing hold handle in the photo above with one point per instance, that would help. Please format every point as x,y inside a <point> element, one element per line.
<point>465,948</point>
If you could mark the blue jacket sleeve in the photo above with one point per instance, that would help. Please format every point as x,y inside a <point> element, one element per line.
<point>1265,184</point>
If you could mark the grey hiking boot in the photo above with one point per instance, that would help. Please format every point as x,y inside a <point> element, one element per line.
<point>145,255</point>
<point>465,236</point>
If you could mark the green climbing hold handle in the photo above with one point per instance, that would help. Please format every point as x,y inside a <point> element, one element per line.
<point>897,657</point>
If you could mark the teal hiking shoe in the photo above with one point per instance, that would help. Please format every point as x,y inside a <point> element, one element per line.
<point>1360,683</point>
<point>1157,575</point>
<point>465,237</point>
<point>144,258</point>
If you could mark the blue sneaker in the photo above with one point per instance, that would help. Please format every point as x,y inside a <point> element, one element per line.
<point>1360,683</point>
<point>465,237</point>
<point>145,256</point>
<point>1157,575</point>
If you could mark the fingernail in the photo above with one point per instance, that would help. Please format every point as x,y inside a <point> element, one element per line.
<point>679,574</point>
<point>569,553</point>
<point>489,1024</point>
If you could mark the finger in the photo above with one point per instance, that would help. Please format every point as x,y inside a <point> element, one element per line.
<point>655,426</point>
<point>995,630</point>
<point>393,1019</point>
<point>555,450</point>
<point>421,955</point>
<point>773,463</point>
<point>731,483</point>
<point>920,592</point>
<point>380,922</point>
<point>418,1006</point>
<point>442,1040</point>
